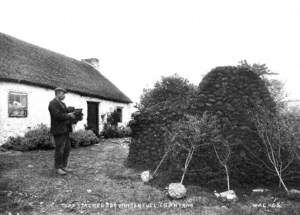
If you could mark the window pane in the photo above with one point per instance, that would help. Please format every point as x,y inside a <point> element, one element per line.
<point>119,111</point>
<point>17,98</point>
<point>23,100</point>
<point>17,105</point>
<point>10,98</point>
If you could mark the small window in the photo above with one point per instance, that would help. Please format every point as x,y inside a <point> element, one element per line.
<point>119,111</point>
<point>17,104</point>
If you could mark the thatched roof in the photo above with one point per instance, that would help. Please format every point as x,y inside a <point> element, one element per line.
<point>22,62</point>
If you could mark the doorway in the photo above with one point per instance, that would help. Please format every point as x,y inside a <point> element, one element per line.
<point>93,116</point>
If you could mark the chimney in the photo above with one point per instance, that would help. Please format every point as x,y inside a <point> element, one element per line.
<point>94,62</point>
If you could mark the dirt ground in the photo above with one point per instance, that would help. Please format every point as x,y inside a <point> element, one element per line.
<point>102,184</point>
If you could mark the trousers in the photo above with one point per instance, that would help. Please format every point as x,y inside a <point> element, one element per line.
<point>62,150</point>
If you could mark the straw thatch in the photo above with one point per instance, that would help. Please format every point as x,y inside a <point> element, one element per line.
<point>22,62</point>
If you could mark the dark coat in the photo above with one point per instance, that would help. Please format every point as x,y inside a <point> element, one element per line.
<point>60,120</point>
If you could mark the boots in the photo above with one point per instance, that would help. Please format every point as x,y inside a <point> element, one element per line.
<point>60,172</point>
<point>66,169</point>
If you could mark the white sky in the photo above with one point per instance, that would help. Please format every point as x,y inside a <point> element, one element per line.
<point>139,41</point>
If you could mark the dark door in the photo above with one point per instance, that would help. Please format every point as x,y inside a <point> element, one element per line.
<point>93,116</point>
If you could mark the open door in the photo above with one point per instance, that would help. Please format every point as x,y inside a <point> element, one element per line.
<point>93,116</point>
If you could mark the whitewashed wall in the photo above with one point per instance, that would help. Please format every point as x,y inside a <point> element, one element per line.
<point>38,101</point>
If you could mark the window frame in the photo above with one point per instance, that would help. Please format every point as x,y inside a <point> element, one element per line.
<point>17,93</point>
<point>121,115</point>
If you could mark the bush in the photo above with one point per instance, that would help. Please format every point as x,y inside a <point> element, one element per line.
<point>15,143</point>
<point>111,128</point>
<point>40,138</point>
<point>110,131</point>
<point>160,107</point>
<point>37,138</point>
<point>83,138</point>
<point>277,142</point>
<point>196,134</point>
<point>113,118</point>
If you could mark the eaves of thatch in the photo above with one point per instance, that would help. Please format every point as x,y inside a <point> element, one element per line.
<point>22,62</point>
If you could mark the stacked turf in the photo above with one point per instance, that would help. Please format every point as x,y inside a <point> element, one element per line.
<point>230,93</point>
<point>77,112</point>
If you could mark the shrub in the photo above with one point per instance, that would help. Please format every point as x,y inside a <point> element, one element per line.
<point>15,143</point>
<point>193,134</point>
<point>169,88</point>
<point>113,118</point>
<point>160,107</point>
<point>40,138</point>
<point>83,138</point>
<point>277,141</point>
<point>37,138</point>
<point>111,128</point>
<point>110,131</point>
<point>280,137</point>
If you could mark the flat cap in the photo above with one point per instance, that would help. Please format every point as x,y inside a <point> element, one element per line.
<point>60,89</point>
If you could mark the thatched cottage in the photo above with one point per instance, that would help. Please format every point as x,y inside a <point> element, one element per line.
<point>28,75</point>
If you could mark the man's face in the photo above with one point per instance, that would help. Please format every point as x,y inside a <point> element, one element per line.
<point>60,95</point>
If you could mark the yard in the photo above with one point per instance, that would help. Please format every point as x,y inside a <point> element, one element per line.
<point>102,184</point>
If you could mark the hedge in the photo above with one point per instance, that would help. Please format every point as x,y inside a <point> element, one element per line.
<point>40,138</point>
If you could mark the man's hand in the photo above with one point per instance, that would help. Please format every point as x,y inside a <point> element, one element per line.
<point>72,115</point>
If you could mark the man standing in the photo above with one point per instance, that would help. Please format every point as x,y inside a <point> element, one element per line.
<point>60,128</point>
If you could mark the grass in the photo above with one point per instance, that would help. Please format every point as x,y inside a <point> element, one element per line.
<point>102,184</point>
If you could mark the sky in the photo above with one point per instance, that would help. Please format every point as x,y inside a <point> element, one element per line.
<point>138,41</point>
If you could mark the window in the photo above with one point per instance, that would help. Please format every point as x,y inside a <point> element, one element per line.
<point>17,104</point>
<point>119,111</point>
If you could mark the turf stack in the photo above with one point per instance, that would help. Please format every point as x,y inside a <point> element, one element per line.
<point>231,93</point>
<point>228,92</point>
